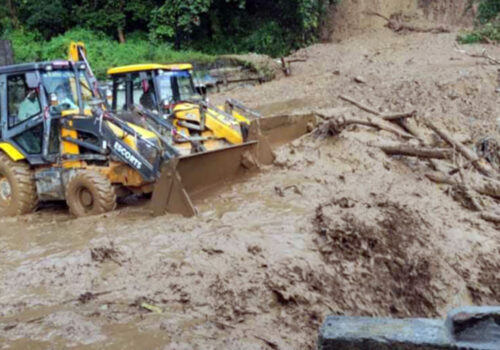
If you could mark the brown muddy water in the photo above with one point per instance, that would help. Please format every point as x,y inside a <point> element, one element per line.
<point>327,229</point>
<point>332,227</point>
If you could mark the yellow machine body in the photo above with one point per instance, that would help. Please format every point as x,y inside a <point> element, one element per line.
<point>219,126</point>
<point>118,173</point>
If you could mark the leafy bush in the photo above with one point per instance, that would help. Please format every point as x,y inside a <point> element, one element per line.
<point>487,23</point>
<point>150,29</point>
<point>270,38</point>
<point>486,33</point>
<point>103,52</point>
<point>27,45</point>
<point>487,10</point>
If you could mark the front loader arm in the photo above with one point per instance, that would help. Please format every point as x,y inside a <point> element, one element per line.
<point>109,142</point>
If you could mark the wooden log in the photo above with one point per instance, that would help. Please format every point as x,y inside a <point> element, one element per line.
<point>466,152</point>
<point>384,125</point>
<point>458,169</point>
<point>468,191</point>
<point>398,116</point>
<point>491,217</point>
<point>338,124</point>
<point>359,105</point>
<point>412,151</point>
<point>385,116</point>
<point>484,186</point>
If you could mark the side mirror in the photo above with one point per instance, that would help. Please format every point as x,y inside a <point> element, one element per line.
<point>32,80</point>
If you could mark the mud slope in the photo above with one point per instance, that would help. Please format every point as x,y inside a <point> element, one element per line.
<point>351,17</point>
<point>333,227</point>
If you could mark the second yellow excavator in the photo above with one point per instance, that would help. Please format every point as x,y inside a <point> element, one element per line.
<point>164,98</point>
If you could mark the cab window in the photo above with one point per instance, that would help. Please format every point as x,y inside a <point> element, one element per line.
<point>23,103</point>
<point>143,91</point>
<point>119,94</point>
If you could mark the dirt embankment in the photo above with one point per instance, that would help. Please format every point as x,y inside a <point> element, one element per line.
<point>352,17</point>
<point>335,226</point>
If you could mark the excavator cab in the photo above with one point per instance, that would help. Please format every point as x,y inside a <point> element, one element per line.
<point>164,98</point>
<point>58,142</point>
<point>156,87</point>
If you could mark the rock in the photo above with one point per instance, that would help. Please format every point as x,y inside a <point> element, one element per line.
<point>475,325</point>
<point>469,328</point>
<point>360,333</point>
<point>248,161</point>
<point>360,80</point>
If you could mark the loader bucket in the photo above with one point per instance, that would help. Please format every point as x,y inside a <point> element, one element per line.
<point>186,179</point>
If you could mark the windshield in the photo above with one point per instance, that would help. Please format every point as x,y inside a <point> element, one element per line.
<point>176,86</point>
<point>61,85</point>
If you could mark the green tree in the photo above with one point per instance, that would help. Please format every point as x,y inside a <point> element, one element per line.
<point>48,18</point>
<point>113,17</point>
<point>488,10</point>
<point>176,18</point>
<point>8,15</point>
<point>102,15</point>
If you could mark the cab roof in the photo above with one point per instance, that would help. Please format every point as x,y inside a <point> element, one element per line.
<point>148,67</point>
<point>26,67</point>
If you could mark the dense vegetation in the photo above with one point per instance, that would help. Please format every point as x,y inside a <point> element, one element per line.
<point>487,23</point>
<point>126,31</point>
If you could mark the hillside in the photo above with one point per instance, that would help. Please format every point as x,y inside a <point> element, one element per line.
<point>334,226</point>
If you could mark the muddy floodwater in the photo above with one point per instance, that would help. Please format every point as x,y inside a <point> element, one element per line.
<point>254,270</point>
<point>333,226</point>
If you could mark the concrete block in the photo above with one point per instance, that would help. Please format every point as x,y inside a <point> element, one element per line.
<point>475,325</point>
<point>473,328</point>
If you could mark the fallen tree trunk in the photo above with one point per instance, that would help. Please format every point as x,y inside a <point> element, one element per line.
<point>384,125</point>
<point>413,151</point>
<point>385,116</point>
<point>337,125</point>
<point>467,190</point>
<point>398,116</point>
<point>491,217</point>
<point>359,105</point>
<point>484,186</point>
<point>405,124</point>
<point>466,152</point>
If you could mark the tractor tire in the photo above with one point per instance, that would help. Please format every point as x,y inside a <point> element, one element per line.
<point>90,193</point>
<point>17,187</point>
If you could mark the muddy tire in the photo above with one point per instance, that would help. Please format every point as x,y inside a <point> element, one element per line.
<point>17,187</point>
<point>90,193</point>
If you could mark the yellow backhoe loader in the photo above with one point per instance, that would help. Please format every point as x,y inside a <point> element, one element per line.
<point>163,99</point>
<point>59,140</point>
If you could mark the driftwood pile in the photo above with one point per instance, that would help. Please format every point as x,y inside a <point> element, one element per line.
<point>471,177</point>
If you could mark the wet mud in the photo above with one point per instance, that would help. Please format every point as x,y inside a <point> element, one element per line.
<point>334,226</point>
